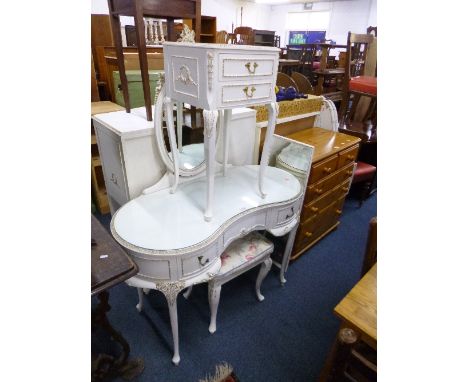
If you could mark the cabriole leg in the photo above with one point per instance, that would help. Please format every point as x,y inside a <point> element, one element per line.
<point>214,292</point>
<point>139,306</point>
<point>272,114</point>
<point>188,292</point>
<point>210,117</point>
<point>287,254</point>
<point>264,269</point>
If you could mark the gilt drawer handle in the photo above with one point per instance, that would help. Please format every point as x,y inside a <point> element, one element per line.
<point>350,157</point>
<point>292,214</point>
<point>328,170</point>
<point>308,234</point>
<point>200,258</point>
<point>246,91</point>
<point>113,179</point>
<point>255,65</point>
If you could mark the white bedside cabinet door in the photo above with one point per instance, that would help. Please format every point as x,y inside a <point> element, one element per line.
<point>113,167</point>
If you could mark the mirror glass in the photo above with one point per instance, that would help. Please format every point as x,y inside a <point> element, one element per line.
<point>188,130</point>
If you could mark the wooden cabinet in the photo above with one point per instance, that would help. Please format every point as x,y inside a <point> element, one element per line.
<point>208,28</point>
<point>327,186</point>
<point>264,38</point>
<point>97,176</point>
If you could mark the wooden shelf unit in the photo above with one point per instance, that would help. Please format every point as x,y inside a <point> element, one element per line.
<point>208,28</point>
<point>97,177</point>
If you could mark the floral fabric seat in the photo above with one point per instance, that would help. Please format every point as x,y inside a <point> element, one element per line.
<point>241,255</point>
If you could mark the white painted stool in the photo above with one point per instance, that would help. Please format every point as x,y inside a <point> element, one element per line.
<point>243,254</point>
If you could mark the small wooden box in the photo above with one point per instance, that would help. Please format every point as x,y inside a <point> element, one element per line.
<point>135,87</point>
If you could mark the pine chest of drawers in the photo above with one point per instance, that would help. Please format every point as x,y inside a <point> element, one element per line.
<point>327,186</point>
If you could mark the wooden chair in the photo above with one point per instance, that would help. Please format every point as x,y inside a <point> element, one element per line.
<point>355,83</point>
<point>303,83</point>
<point>221,37</point>
<point>285,81</point>
<point>242,255</point>
<point>245,35</point>
<point>370,256</point>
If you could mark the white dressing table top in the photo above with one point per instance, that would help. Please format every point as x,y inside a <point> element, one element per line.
<point>164,221</point>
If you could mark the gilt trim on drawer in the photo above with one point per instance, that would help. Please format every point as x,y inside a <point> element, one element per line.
<point>267,97</point>
<point>249,74</point>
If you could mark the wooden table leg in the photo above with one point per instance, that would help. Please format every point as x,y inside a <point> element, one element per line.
<point>272,114</point>
<point>210,117</point>
<point>141,41</point>
<point>115,24</point>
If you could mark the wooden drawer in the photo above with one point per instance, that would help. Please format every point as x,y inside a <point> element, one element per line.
<point>318,205</point>
<point>246,93</point>
<point>235,67</point>
<point>319,189</point>
<point>348,156</point>
<point>323,169</point>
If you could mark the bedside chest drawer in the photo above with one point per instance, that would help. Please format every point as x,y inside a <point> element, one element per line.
<point>348,156</point>
<point>235,67</point>
<point>246,93</point>
<point>323,169</point>
<point>319,189</point>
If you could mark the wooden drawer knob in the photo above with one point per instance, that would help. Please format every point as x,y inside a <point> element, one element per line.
<point>349,172</point>
<point>350,157</point>
<point>314,209</point>
<point>318,191</point>
<point>308,234</point>
<point>328,170</point>
<point>338,211</point>
<point>345,189</point>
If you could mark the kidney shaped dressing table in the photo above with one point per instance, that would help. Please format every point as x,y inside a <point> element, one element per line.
<point>171,231</point>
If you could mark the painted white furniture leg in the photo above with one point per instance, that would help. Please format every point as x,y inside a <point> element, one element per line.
<point>287,254</point>
<point>171,291</point>
<point>226,117</point>
<point>146,290</point>
<point>272,114</point>
<point>180,118</point>
<point>139,306</point>
<point>172,141</point>
<point>188,292</point>
<point>214,292</point>
<point>264,269</point>
<point>210,118</point>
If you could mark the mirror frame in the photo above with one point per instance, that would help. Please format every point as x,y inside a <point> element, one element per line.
<point>159,106</point>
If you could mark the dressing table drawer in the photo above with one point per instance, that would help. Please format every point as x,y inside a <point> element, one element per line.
<point>287,213</point>
<point>244,226</point>
<point>235,67</point>
<point>246,93</point>
<point>200,260</point>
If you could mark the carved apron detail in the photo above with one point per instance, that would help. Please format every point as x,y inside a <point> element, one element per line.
<point>210,69</point>
<point>170,289</point>
<point>210,117</point>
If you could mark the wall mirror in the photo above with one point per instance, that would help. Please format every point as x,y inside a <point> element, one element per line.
<point>172,135</point>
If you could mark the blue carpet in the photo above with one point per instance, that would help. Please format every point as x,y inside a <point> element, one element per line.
<point>284,338</point>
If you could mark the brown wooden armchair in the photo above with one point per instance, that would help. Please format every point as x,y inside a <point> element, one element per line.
<point>303,83</point>
<point>245,35</point>
<point>285,81</point>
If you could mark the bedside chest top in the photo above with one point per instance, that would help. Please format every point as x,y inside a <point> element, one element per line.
<point>326,142</point>
<point>233,47</point>
<point>104,107</point>
<point>128,125</point>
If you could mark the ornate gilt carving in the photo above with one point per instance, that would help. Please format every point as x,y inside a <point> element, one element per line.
<point>170,289</point>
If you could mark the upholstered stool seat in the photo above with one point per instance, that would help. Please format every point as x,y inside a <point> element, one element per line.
<point>316,65</point>
<point>241,255</point>
<point>363,171</point>
<point>363,84</point>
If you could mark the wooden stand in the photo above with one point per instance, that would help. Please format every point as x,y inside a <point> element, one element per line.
<point>151,8</point>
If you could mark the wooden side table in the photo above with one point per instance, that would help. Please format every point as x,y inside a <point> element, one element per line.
<point>182,9</point>
<point>110,265</point>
